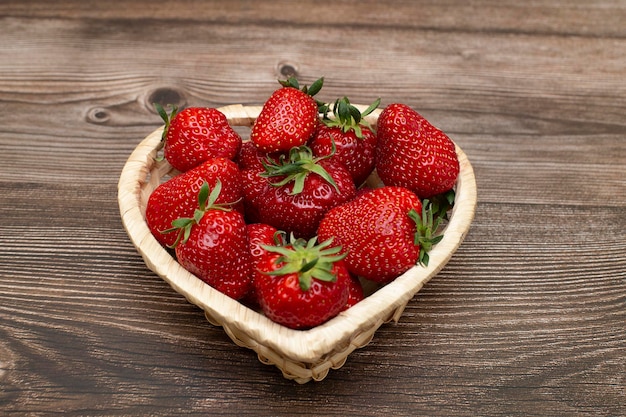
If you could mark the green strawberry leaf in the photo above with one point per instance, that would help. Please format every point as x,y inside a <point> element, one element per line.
<point>371,108</point>
<point>306,259</point>
<point>290,82</point>
<point>355,114</point>
<point>442,203</point>
<point>426,226</point>
<point>206,201</point>
<point>296,167</point>
<point>311,91</point>
<point>167,118</point>
<point>347,117</point>
<point>315,87</point>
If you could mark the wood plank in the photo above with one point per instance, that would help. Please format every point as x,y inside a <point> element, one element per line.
<point>496,306</point>
<point>506,70</point>
<point>578,18</point>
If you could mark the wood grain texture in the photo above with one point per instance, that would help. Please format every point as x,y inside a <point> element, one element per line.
<point>528,318</point>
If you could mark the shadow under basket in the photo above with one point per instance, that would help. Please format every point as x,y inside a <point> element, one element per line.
<point>301,355</point>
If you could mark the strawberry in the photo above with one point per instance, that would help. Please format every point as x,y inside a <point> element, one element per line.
<point>382,232</point>
<point>355,292</point>
<point>413,153</point>
<point>293,193</point>
<point>251,157</point>
<point>349,137</point>
<point>255,189</point>
<point>196,134</point>
<point>213,245</point>
<point>288,118</point>
<point>302,284</point>
<point>259,236</point>
<point>178,196</point>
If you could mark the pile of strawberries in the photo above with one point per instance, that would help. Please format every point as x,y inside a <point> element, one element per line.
<point>285,222</point>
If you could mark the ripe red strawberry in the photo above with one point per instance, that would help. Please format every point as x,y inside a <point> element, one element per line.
<point>288,118</point>
<point>251,157</point>
<point>178,196</point>
<point>293,193</point>
<point>260,235</point>
<point>302,284</point>
<point>382,232</point>
<point>413,153</point>
<point>355,292</point>
<point>197,134</point>
<point>213,245</point>
<point>350,137</point>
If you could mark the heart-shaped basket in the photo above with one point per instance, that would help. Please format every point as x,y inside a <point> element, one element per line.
<point>301,355</point>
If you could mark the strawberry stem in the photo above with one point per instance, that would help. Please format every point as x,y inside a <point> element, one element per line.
<point>347,117</point>
<point>426,226</point>
<point>296,168</point>
<point>434,211</point>
<point>442,203</point>
<point>167,118</point>
<point>312,90</point>
<point>307,259</point>
<point>206,201</point>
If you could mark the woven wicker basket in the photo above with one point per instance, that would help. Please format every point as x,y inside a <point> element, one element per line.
<point>300,355</point>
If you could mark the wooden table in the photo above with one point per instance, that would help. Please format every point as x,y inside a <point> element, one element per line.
<point>528,318</point>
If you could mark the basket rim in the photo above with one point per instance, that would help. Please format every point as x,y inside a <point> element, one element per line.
<point>307,346</point>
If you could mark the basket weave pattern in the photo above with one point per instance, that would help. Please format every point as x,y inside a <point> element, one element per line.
<point>301,355</point>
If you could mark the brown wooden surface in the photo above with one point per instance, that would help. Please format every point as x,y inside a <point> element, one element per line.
<point>528,318</point>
